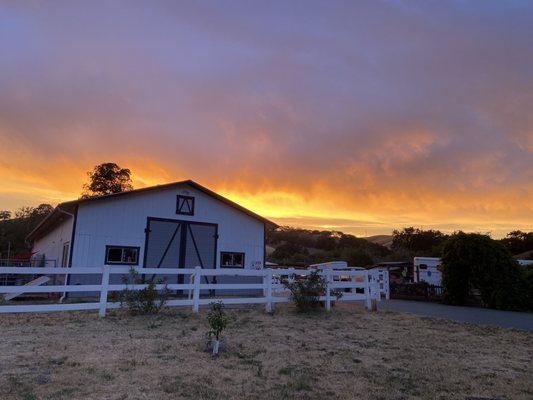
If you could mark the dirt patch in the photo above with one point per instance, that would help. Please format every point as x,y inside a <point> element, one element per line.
<point>346,354</point>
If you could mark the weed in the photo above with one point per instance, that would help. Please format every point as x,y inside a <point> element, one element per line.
<point>302,384</point>
<point>172,385</point>
<point>63,394</point>
<point>286,371</point>
<point>58,361</point>
<point>107,376</point>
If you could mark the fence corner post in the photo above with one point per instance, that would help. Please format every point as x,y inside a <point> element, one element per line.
<point>268,286</point>
<point>196,290</point>
<point>328,290</point>
<point>104,286</point>
<point>377,286</point>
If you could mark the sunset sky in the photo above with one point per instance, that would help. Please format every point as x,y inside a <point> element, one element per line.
<point>357,116</point>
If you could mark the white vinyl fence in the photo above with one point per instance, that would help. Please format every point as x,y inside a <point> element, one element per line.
<point>347,282</point>
<point>381,277</point>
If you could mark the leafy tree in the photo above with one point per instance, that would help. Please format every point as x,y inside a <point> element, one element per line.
<point>347,241</point>
<point>5,215</point>
<point>518,242</point>
<point>477,262</point>
<point>41,211</point>
<point>218,321</point>
<point>287,250</point>
<point>358,258</point>
<point>326,242</point>
<point>526,288</point>
<point>23,212</point>
<point>418,242</point>
<point>107,178</point>
<point>13,231</point>
<point>296,246</point>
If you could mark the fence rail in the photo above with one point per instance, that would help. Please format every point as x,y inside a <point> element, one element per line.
<point>357,286</point>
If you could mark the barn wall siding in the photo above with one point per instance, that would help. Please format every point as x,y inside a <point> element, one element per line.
<point>51,245</point>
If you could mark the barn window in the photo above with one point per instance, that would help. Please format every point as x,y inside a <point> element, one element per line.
<point>122,255</point>
<point>231,260</point>
<point>185,205</point>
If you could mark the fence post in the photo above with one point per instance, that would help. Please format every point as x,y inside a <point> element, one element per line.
<point>328,290</point>
<point>267,281</point>
<point>196,290</point>
<point>387,285</point>
<point>367,291</point>
<point>377,286</point>
<point>103,290</point>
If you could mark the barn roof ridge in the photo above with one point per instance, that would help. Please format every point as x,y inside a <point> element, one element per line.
<point>69,207</point>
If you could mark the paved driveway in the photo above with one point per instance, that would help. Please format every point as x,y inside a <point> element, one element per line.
<point>480,316</point>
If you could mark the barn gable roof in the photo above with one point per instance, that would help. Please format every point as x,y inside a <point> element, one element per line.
<point>68,208</point>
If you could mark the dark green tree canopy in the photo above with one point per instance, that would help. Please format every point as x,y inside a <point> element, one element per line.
<point>13,231</point>
<point>359,258</point>
<point>415,241</point>
<point>518,242</point>
<point>107,178</point>
<point>475,262</point>
<point>287,251</point>
<point>297,246</point>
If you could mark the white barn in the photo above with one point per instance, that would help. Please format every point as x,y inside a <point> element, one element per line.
<point>176,225</point>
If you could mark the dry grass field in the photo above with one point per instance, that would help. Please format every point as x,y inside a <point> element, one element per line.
<point>347,354</point>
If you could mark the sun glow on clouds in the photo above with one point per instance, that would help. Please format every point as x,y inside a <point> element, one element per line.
<point>317,208</point>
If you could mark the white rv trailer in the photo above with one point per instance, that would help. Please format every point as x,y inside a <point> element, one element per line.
<point>426,269</point>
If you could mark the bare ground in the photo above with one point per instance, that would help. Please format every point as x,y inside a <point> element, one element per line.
<point>346,354</point>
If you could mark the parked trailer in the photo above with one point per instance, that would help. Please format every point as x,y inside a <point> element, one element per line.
<point>426,269</point>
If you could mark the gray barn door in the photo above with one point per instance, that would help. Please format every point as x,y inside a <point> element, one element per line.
<point>179,244</point>
<point>163,247</point>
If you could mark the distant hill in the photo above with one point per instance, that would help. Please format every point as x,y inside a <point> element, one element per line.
<point>383,240</point>
<point>296,246</point>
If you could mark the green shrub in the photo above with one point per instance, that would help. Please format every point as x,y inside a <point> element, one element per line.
<point>477,262</point>
<point>144,301</point>
<point>526,288</point>
<point>306,290</point>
